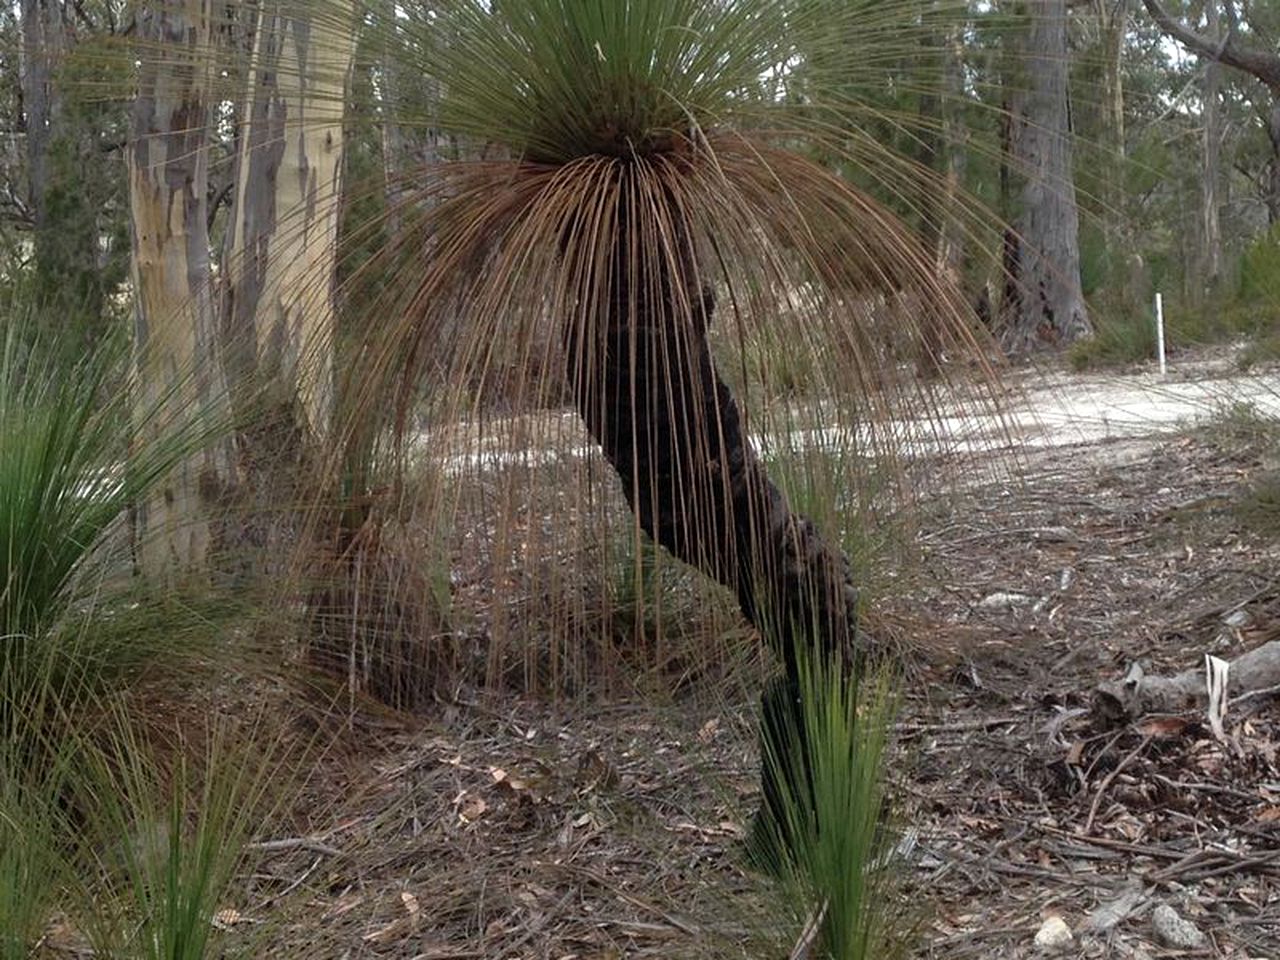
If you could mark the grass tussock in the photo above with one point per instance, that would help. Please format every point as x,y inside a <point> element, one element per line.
<point>830,847</point>
<point>34,828</point>
<point>71,623</point>
<point>1121,339</point>
<point>171,825</point>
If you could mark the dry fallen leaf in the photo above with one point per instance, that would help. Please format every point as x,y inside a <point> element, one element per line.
<point>472,808</point>
<point>1162,727</point>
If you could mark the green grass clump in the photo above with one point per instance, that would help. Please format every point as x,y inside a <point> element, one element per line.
<point>839,865</point>
<point>68,475</point>
<point>34,832</point>
<point>169,839</point>
<point>1120,339</point>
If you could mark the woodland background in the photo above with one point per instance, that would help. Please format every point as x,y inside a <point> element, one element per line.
<point>328,630</point>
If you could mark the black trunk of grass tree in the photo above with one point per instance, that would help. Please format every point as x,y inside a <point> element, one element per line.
<point>644,381</point>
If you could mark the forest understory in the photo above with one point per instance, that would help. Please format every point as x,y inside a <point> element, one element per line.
<point>493,826</point>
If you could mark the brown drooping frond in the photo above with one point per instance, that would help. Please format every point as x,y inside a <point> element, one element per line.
<point>674,159</point>
<point>594,283</point>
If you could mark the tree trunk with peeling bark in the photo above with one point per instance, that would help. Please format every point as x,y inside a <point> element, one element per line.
<point>281,242</point>
<point>176,355</point>
<point>950,252</point>
<point>1049,307</point>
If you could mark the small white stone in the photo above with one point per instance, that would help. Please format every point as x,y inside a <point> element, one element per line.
<point>1002,600</point>
<point>1053,935</point>
<point>1174,931</point>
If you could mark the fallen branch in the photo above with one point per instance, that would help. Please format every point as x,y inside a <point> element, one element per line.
<point>1140,693</point>
<point>1107,781</point>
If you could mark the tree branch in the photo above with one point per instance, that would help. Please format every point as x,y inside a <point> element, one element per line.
<point>1265,66</point>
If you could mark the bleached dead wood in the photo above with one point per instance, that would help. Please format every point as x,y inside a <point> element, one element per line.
<point>1140,693</point>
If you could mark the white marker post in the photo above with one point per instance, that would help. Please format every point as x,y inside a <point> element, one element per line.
<point>1160,332</point>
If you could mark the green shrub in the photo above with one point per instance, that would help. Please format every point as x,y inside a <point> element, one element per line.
<point>1259,282</point>
<point>1120,338</point>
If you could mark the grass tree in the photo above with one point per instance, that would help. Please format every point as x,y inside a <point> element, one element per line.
<point>647,172</point>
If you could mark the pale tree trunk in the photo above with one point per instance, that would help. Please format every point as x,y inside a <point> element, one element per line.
<point>949,253</point>
<point>282,239</point>
<point>178,369</point>
<point>1211,234</point>
<point>1126,267</point>
<point>1049,308</point>
<point>941,151</point>
<point>1113,19</point>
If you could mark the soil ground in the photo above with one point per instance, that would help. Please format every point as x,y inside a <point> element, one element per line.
<point>505,828</point>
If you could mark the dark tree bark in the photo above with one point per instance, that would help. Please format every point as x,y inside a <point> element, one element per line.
<point>1273,173</point>
<point>1048,308</point>
<point>647,388</point>
<point>644,382</point>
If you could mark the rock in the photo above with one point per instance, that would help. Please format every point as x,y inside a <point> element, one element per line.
<point>1053,935</point>
<point>1173,931</point>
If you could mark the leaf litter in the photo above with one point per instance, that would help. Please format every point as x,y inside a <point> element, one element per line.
<point>507,826</point>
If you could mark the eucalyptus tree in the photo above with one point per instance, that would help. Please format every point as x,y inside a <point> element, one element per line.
<point>281,242</point>
<point>177,354</point>
<point>1242,44</point>
<point>259,324</point>
<point>1044,301</point>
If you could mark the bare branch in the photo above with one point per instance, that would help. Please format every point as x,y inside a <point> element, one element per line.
<point>1261,64</point>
